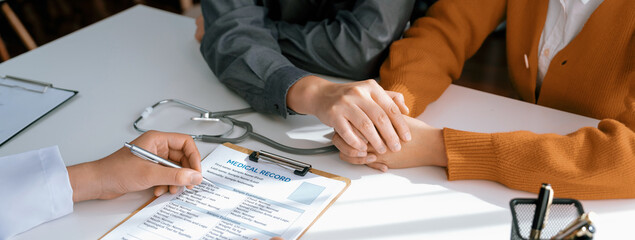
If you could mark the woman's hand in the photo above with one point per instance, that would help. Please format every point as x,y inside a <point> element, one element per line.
<point>426,149</point>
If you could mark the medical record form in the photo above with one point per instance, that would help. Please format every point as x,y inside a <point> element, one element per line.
<point>249,200</point>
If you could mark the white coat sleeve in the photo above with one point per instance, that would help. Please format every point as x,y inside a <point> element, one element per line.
<point>34,189</point>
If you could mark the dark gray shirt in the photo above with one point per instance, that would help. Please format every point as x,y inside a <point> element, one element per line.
<point>260,48</point>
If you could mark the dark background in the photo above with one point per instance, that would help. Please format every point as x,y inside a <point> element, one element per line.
<point>47,20</point>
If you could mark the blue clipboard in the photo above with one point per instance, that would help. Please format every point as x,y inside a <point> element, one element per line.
<point>24,101</point>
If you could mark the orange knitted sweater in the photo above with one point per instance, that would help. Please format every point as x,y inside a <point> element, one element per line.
<point>594,75</point>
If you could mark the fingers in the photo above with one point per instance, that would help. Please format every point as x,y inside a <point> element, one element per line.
<point>362,112</point>
<point>366,127</point>
<point>375,124</point>
<point>395,115</point>
<point>400,101</point>
<point>173,146</point>
<point>174,177</point>
<point>177,148</point>
<point>366,116</point>
<point>160,190</point>
<point>183,146</point>
<point>359,160</point>
<point>377,117</point>
<point>346,132</point>
<point>184,162</point>
<point>347,152</point>
<point>359,135</point>
<point>379,166</point>
<point>174,189</point>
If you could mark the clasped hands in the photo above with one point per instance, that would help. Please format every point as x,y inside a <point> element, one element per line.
<point>425,149</point>
<point>370,123</point>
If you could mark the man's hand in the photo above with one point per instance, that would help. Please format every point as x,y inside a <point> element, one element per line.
<point>123,172</point>
<point>200,28</point>
<point>361,112</point>
<point>427,148</point>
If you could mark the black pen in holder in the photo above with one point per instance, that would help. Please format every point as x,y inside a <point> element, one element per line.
<point>541,213</point>
<point>563,211</point>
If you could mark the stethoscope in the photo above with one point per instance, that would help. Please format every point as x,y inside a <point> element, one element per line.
<point>223,116</point>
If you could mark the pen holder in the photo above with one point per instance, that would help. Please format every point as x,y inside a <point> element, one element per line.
<point>563,211</point>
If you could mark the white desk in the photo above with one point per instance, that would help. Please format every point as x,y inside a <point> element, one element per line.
<point>129,61</point>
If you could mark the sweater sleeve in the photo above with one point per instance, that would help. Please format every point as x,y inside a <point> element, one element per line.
<point>591,163</point>
<point>423,64</point>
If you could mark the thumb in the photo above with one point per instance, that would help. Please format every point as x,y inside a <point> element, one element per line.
<point>175,176</point>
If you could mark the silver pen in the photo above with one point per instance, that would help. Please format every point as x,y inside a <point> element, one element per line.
<point>145,154</point>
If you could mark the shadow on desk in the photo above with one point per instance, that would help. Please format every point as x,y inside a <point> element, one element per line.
<point>371,217</point>
<point>408,228</point>
<point>488,191</point>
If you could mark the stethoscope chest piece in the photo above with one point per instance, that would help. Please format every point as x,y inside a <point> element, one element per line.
<point>204,116</point>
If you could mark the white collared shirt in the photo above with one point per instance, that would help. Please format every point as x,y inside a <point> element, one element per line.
<point>565,19</point>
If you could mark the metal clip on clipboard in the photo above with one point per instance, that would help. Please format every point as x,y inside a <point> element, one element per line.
<point>45,86</point>
<point>299,168</point>
<point>24,101</point>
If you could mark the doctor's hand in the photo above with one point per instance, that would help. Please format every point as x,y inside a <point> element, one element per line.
<point>427,148</point>
<point>360,112</point>
<point>123,172</point>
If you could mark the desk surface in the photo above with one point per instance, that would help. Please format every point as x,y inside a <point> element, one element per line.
<point>129,61</point>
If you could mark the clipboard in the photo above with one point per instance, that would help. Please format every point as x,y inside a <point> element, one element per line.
<point>24,101</point>
<point>257,156</point>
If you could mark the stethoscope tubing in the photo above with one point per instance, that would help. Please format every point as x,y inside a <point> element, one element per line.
<point>221,138</point>
<point>269,142</point>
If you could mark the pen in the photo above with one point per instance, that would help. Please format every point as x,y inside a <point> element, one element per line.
<point>545,198</point>
<point>145,154</point>
<point>580,228</point>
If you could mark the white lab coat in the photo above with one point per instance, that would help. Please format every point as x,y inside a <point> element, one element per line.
<point>34,188</point>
